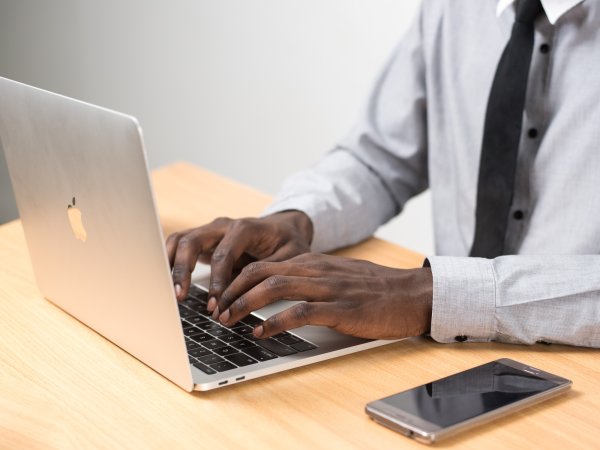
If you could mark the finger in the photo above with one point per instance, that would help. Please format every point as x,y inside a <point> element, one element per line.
<point>319,314</point>
<point>284,253</point>
<point>251,275</point>
<point>242,262</point>
<point>274,288</point>
<point>189,247</point>
<point>171,245</point>
<point>234,244</point>
<point>256,272</point>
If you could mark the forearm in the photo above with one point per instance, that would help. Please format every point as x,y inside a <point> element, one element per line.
<point>344,200</point>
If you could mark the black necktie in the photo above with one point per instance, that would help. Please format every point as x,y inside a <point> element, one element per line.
<point>501,135</point>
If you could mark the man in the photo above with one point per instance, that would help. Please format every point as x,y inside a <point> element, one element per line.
<point>494,106</point>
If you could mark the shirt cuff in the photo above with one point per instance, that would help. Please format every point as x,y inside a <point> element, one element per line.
<point>464,299</point>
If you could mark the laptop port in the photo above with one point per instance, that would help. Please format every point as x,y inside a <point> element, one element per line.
<point>240,378</point>
<point>222,383</point>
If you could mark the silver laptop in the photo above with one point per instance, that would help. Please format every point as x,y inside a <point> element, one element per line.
<point>81,182</point>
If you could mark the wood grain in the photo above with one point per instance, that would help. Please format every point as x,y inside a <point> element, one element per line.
<point>63,386</point>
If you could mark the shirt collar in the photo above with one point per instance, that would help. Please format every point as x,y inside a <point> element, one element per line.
<point>553,8</point>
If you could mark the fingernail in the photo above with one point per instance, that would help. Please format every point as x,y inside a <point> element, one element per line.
<point>178,290</point>
<point>258,331</point>
<point>215,313</point>
<point>212,304</point>
<point>225,316</point>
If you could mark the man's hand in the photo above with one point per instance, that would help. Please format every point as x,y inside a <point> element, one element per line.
<point>354,297</point>
<point>228,245</point>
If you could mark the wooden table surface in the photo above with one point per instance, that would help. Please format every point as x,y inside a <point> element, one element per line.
<point>63,386</point>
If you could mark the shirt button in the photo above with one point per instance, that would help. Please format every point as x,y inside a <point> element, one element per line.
<point>518,214</point>
<point>533,133</point>
<point>462,338</point>
<point>545,49</point>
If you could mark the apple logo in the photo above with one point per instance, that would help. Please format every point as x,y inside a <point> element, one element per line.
<point>76,222</point>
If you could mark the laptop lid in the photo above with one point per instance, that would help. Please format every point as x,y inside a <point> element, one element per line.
<point>81,182</point>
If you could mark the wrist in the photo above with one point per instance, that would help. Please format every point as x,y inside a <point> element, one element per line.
<point>421,286</point>
<point>427,296</point>
<point>300,221</point>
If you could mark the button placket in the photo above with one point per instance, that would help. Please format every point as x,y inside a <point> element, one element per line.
<point>533,126</point>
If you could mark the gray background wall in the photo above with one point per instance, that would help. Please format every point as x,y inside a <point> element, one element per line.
<point>251,89</point>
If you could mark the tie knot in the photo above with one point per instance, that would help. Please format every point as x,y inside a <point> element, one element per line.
<point>528,10</point>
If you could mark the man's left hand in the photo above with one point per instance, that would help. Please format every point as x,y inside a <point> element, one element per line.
<point>354,297</point>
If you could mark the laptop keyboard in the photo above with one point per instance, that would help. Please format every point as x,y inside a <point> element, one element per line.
<point>214,348</point>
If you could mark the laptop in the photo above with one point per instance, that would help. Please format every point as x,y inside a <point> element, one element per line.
<point>82,186</point>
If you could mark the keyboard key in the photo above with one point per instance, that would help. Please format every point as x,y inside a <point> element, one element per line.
<point>251,320</point>
<point>187,313</point>
<point>240,359</point>
<point>203,337</point>
<point>276,347</point>
<point>204,368</point>
<point>190,331</point>
<point>209,326</point>
<point>197,320</point>
<point>192,304</point>
<point>259,353</point>
<point>231,338</point>
<point>215,343</point>
<point>242,344</point>
<point>199,353</point>
<point>244,329</point>
<point>225,351</point>
<point>222,367</point>
<point>211,359</point>
<point>289,339</point>
<point>280,335</point>
<point>218,332</point>
<point>198,293</point>
<point>251,337</point>
<point>195,305</point>
<point>191,345</point>
<point>201,309</point>
<point>185,325</point>
<point>303,346</point>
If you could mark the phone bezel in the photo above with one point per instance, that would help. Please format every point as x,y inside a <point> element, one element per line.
<point>428,432</point>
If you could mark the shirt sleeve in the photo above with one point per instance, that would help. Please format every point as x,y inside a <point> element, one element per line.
<point>517,299</point>
<point>382,162</point>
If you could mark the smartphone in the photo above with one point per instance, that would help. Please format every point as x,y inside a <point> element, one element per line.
<point>444,407</point>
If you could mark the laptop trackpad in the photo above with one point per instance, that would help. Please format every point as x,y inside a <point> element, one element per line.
<point>274,308</point>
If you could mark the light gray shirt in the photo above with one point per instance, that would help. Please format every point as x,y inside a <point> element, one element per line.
<point>422,128</point>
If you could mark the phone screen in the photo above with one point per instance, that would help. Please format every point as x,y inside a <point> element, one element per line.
<point>468,394</point>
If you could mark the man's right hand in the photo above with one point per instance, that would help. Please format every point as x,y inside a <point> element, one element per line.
<point>228,245</point>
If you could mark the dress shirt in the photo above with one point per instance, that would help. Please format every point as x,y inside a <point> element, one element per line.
<point>422,127</point>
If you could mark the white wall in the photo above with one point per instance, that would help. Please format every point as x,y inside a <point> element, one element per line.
<point>252,89</point>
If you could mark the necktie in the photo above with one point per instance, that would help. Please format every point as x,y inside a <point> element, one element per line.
<point>501,135</point>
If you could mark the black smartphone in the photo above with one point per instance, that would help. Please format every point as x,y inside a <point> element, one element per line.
<point>444,407</point>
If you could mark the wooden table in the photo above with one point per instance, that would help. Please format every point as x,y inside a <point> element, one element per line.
<point>63,386</point>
